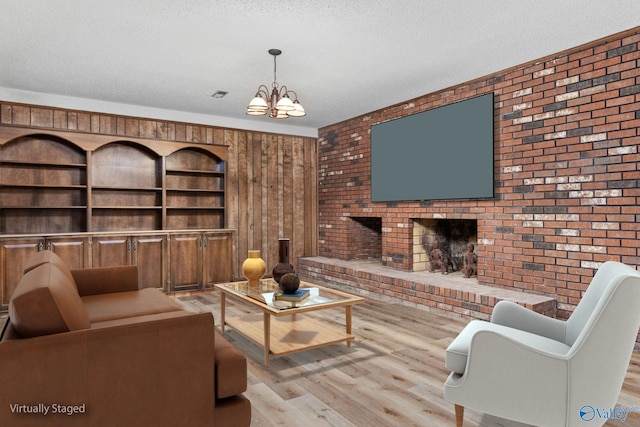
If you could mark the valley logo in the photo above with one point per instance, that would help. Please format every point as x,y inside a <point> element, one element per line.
<point>589,413</point>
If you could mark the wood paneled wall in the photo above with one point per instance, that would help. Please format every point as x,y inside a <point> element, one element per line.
<point>271,187</point>
<point>271,178</point>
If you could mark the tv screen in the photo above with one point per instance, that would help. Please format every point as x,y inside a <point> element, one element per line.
<point>443,153</point>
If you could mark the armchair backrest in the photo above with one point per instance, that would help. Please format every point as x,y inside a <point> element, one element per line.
<point>602,335</point>
<point>604,278</point>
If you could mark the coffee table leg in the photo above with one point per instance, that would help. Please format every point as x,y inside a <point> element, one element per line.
<point>222,311</point>
<point>348,321</point>
<point>267,338</point>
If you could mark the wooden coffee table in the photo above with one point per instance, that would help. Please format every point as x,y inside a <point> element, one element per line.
<point>289,331</point>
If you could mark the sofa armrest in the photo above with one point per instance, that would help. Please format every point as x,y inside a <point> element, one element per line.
<point>156,373</point>
<point>231,369</point>
<point>105,280</point>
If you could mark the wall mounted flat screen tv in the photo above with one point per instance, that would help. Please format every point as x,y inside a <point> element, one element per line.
<point>443,153</point>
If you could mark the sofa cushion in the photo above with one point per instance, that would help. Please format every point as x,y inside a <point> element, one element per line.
<point>46,302</point>
<point>121,305</point>
<point>106,280</point>
<point>231,369</point>
<point>48,257</point>
<point>127,321</point>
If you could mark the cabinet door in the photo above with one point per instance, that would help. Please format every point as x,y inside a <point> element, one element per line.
<point>185,261</point>
<point>74,251</point>
<point>217,258</point>
<point>14,254</point>
<point>149,256</point>
<point>110,251</point>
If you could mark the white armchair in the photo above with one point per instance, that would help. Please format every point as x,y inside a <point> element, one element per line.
<point>533,369</point>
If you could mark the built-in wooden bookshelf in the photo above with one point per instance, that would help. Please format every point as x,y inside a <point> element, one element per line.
<point>100,200</point>
<point>61,182</point>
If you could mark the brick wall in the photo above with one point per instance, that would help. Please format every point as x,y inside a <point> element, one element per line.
<point>566,172</point>
<point>365,238</point>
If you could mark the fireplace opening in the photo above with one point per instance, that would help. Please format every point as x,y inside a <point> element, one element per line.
<point>452,236</point>
<point>365,238</point>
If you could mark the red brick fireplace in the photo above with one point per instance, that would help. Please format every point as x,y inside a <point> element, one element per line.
<point>566,169</point>
<point>452,236</point>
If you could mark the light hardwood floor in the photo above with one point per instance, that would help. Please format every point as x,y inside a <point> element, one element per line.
<point>391,376</point>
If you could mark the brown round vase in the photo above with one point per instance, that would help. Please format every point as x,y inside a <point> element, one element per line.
<point>283,266</point>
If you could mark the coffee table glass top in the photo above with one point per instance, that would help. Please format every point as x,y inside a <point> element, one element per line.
<point>268,289</point>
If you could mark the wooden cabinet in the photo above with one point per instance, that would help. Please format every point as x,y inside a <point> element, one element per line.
<point>145,251</point>
<point>74,250</point>
<point>99,200</point>
<point>185,261</point>
<point>217,258</point>
<point>171,260</point>
<point>14,253</point>
<point>110,250</point>
<point>149,254</point>
<point>199,260</point>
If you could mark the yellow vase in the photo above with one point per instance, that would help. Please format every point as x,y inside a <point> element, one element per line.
<point>253,268</point>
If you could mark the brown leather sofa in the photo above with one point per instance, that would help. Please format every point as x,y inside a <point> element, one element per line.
<point>89,348</point>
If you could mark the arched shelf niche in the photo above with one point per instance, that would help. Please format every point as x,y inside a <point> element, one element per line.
<point>43,185</point>
<point>126,187</point>
<point>195,189</point>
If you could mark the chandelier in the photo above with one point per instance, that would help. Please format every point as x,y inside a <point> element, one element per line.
<point>279,103</point>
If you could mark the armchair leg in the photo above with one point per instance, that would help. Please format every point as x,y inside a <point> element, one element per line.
<point>459,415</point>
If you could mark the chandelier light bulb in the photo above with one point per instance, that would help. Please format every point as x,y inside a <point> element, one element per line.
<point>285,104</point>
<point>298,112</point>
<point>258,103</point>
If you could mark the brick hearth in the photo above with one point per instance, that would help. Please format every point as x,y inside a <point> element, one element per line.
<point>450,295</point>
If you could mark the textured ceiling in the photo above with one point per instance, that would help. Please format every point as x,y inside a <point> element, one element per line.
<point>164,58</point>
